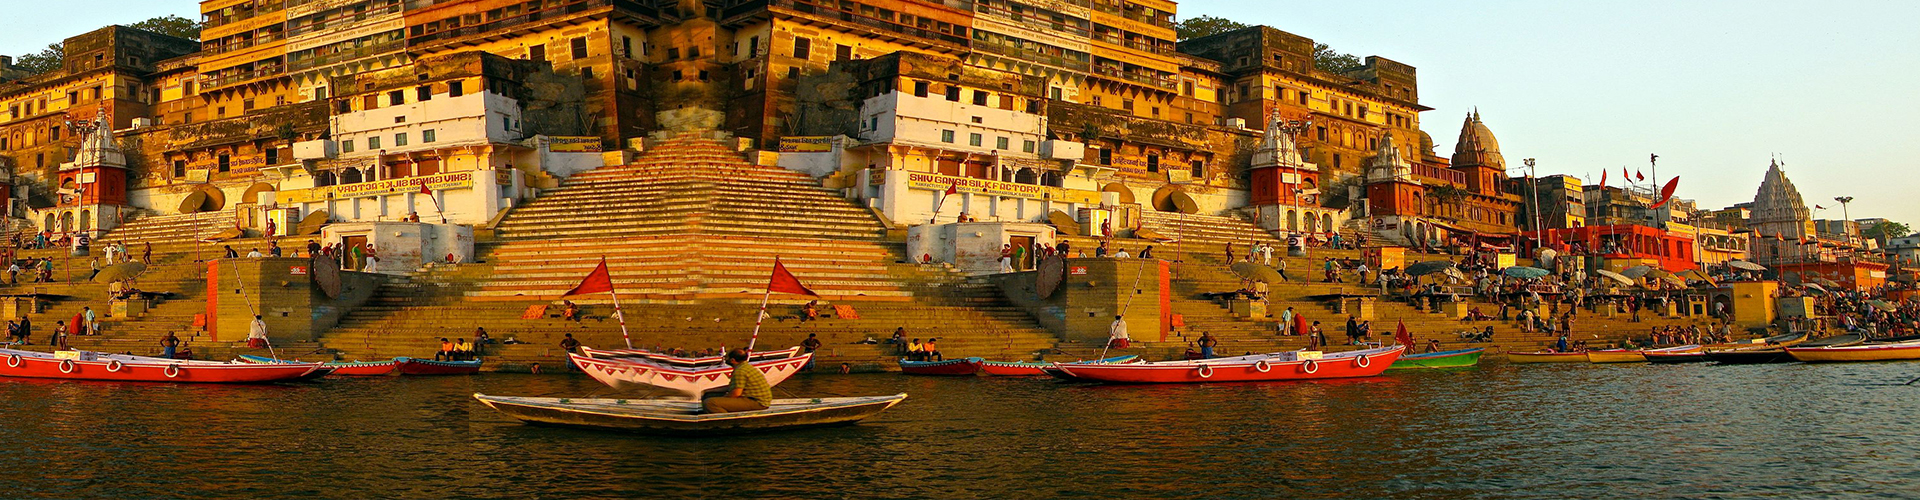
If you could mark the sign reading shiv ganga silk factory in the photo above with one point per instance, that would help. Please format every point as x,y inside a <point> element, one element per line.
<point>937,182</point>
<point>450,180</point>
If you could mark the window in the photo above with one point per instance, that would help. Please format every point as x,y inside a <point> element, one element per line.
<point>676,75</point>
<point>1026,146</point>
<point>1199,170</point>
<point>346,146</point>
<point>1096,100</point>
<point>1126,104</point>
<point>396,98</point>
<point>753,47</point>
<point>427,135</point>
<point>920,89</point>
<point>1336,160</point>
<point>179,168</point>
<point>673,53</point>
<point>801,46</point>
<point>586,73</point>
<point>1323,133</point>
<point>793,72</point>
<point>226,163</point>
<point>400,139</point>
<point>979,98</point>
<point>579,48</point>
<point>423,93</point>
<point>843,53</point>
<point>1000,143</point>
<point>273,156</point>
<point>626,46</point>
<point>1153,163</point>
<point>537,52</point>
<point>1033,106</point>
<point>368,103</point>
<point>455,89</point>
<point>704,76</point>
<point>1106,156</point>
<point>693,52</point>
<point>373,142</point>
<point>946,136</point>
<point>53,133</point>
<point>1156,111</point>
<point>1302,96</point>
<point>246,105</point>
<point>953,93</point>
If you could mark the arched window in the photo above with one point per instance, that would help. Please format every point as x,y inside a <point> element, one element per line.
<point>1024,176</point>
<point>350,176</point>
<point>323,178</point>
<point>1326,222</point>
<point>1312,223</point>
<point>1293,220</point>
<point>86,220</point>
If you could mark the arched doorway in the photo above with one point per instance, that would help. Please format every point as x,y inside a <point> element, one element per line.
<point>1293,220</point>
<point>1312,223</point>
<point>1326,222</point>
<point>49,225</point>
<point>66,222</point>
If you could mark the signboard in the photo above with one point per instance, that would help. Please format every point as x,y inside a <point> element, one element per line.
<point>573,144</point>
<point>807,144</point>
<point>1078,270</point>
<point>503,177</point>
<point>297,270</point>
<point>451,180</point>
<point>937,182</point>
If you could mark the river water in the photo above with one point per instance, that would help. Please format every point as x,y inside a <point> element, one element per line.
<point>1497,431</point>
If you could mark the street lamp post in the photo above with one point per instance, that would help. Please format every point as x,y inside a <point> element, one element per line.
<point>1846,224</point>
<point>1533,196</point>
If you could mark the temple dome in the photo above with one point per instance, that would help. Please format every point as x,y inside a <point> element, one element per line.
<point>1477,146</point>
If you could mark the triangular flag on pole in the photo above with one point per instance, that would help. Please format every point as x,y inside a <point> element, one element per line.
<point>1405,337</point>
<point>1603,179</point>
<point>785,282</point>
<point>424,189</point>
<point>1638,175</point>
<point>1666,192</point>
<point>952,188</point>
<point>600,280</point>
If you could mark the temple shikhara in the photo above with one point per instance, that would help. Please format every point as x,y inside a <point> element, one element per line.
<point>964,169</point>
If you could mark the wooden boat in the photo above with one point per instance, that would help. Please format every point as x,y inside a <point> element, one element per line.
<point>670,360</point>
<point>1865,352</point>
<point>1835,341</point>
<point>1546,357</point>
<point>689,382</point>
<point>1252,368</point>
<point>675,417</point>
<point>1757,351</point>
<point>1444,359</point>
<point>951,367</point>
<point>1615,356</point>
<point>341,368</point>
<point>120,367</point>
<point>1694,356</point>
<point>416,366</point>
<point>1038,368</point>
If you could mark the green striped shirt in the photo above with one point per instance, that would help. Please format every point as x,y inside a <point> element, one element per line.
<point>752,384</point>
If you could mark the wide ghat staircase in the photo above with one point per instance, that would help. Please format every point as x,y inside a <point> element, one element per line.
<point>689,232</point>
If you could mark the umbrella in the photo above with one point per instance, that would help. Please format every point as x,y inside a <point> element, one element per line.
<point>1256,272</point>
<point>1676,281</point>
<point>1883,305</point>
<point>1614,276</point>
<point>1744,265</point>
<point>119,272</point>
<point>1429,267</point>
<point>1454,272</point>
<point>1826,282</point>
<point>1636,272</point>
<point>1525,272</point>
<point>1695,274</point>
<point>1811,286</point>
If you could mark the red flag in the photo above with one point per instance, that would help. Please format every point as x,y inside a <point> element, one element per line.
<point>600,280</point>
<point>1603,179</point>
<point>1666,192</point>
<point>1625,175</point>
<point>1639,176</point>
<point>785,282</point>
<point>424,189</point>
<point>1817,207</point>
<point>952,188</point>
<point>1403,336</point>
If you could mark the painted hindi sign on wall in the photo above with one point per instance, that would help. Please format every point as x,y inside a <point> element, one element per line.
<point>450,180</point>
<point>812,144</point>
<point>573,144</point>
<point>937,182</point>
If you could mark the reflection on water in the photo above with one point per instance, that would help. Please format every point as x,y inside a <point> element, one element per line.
<point>1499,431</point>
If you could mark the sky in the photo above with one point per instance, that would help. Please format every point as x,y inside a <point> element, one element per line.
<point>1716,88</point>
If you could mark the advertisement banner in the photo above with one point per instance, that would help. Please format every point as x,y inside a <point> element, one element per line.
<point>812,144</point>
<point>573,144</point>
<point>937,182</point>
<point>451,180</point>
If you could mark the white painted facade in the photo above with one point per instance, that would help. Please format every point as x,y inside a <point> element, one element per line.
<point>471,119</point>
<point>933,121</point>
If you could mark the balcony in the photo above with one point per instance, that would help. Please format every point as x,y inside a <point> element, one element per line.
<point>233,46</point>
<point>1167,82</point>
<point>335,23</point>
<point>503,24</point>
<point>345,55</point>
<point>1032,56</point>
<point>832,14</point>
<point>1426,172</point>
<point>225,78</point>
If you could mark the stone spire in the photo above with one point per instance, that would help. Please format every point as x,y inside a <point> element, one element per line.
<point>98,149</point>
<point>1477,147</point>
<point>1777,206</point>
<point>1386,164</point>
<point>1277,148</point>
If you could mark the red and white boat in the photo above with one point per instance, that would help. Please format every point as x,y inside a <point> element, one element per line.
<point>688,381</point>
<point>120,367</point>
<point>671,360</point>
<point>1251,368</point>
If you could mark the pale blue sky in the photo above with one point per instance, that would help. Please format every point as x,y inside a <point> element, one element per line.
<point>1714,88</point>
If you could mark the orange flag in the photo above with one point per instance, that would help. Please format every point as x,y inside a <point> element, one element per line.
<point>600,280</point>
<point>786,282</point>
<point>1401,334</point>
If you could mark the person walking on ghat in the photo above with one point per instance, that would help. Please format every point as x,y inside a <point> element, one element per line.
<point>749,390</point>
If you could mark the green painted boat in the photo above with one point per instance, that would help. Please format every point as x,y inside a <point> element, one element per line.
<point>1443,359</point>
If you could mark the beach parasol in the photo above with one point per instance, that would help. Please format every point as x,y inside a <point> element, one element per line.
<point>1257,272</point>
<point>1826,282</point>
<point>1814,287</point>
<point>1636,272</point>
<point>1429,267</point>
<point>119,272</point>
<point>1744,265</point>
<point>1614,276</point>
<point>1696,275</point>
<point>1524,272</point>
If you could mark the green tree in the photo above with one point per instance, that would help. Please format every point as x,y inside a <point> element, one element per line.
<point>1195,27</point>
<point>42,61</point>
<point>171,26</point>
<point>1886,230</point>
<point>1327,59</point>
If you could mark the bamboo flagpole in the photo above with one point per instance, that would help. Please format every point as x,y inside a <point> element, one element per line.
<point>443,218</point>
<point>942,203</point>
<point>601,280</point>
<point>782,281</point>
